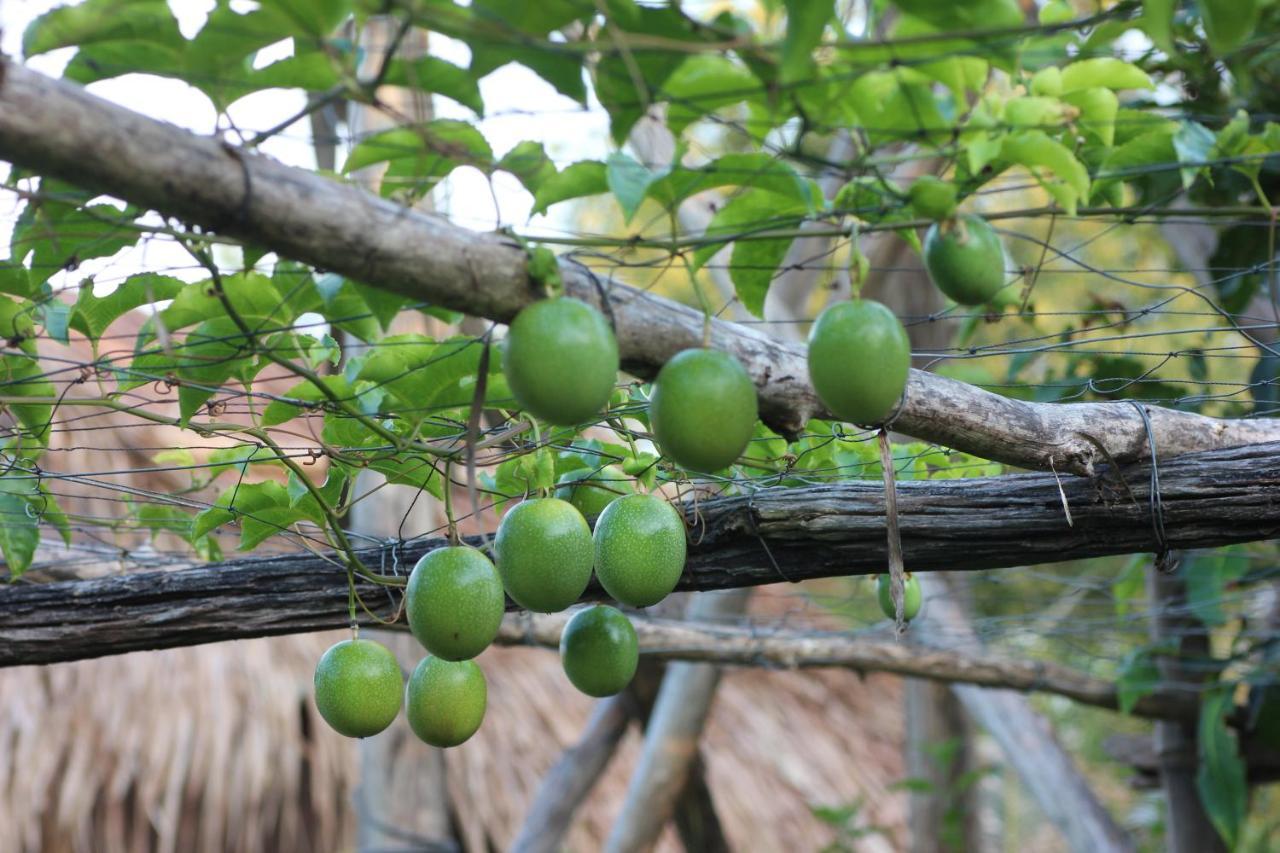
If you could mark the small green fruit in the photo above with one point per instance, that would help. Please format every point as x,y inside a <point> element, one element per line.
<point>561,360</point>
<point>445,700</point>
<point>859,359</point>
<point>965,259</point>
<point>911,596</point>
<point>544,553</point>
<point>590,490</point>
<point>454,602</point>
<point>703,409</point>
<point>599,650</point>
<point>358,687</point>
<point>640,549</point>
<point>932,197</point>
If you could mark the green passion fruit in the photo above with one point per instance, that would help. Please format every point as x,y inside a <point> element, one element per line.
<point>545,553</point>
<point>561,360</point>
<point>859,359</point>
<point>703,409</point>
<point>599,650</point>
<point>454,602</point>
<point>965,259</point>
<point>911,596</point>
<point>445,700</point>
<point>932,197</point>
<point>640,549</point>
<point>590,490</point>
<point>358,687</point>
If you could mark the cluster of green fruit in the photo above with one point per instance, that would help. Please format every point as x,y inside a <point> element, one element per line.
<point>456,596</point>
<point>703,411</point>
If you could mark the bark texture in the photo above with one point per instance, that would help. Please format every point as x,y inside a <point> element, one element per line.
<point>785,534</point>
<point>57,129</point>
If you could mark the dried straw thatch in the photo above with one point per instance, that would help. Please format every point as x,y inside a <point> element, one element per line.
<point>218,748</point>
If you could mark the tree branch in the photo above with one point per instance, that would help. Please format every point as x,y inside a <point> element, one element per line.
<point>57,129</point>
<point>1209,499</point>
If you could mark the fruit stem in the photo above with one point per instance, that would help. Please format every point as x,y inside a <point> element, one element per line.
<point>448,503</point>
<point>896,573</point>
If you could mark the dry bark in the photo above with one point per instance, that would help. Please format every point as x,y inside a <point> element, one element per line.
<point>58,129</point>
<point>792,534</point>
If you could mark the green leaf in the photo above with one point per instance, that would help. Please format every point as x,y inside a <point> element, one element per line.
<point>1104,71</point>
<point>100,21</point>
<point>752,169</point>
<point>19,522</point>
<point>92,315</point>
<point>1208,576</point>
<point>897,105</point>
<point>54,314</point>
<point>1221,777</point>
<point>14,279</point>
<point>61,236</point>
<point>753,262</point>
<point>702,84</point>
<point>279,411</point>
<point>1194,144</point>
<point>24,376</point>
<point>628,181</point>
<point>626,81</point>
<point>584,178</point>
<point>312,71</point>
<point>1034,150</point>
<point>419,157</point>
<point>1157,22</point>
<point>316,18</point>
<point>432,74</point>
<point>965,14</point>
<point>252,295</point>
<point>1098,108</point>
<point>263,510</point>
<point>1138,677</point>
<point>806,21</point>
<point>504,27</point>
<point>213,353</point>
<point>1228,23</point>
<point>529,162</point>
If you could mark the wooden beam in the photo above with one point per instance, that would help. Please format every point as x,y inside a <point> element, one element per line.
<point>1209,499</point>
<point>57,129</point>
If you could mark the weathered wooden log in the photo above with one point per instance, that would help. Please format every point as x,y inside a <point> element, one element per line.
<point>55,128</point>
<point>785,534</point>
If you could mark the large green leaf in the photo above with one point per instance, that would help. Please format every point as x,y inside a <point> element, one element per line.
<point>702,84</point>
<point>1221,777</point>
<point>263,509</point>
<point>529,162</point>
<point>252,296</point>
<point>1228,23</point>
<point>752,169</point>
<point>20,502</point>
<point>92,315</point>
<point>897,105</point>
<point>61,236</point>
<point>501,31</point>
<point>806,20</point>
<point>214,352</point>
<point>1036,151</point>
<point>584,178</point>
<point>628,181</point>
<point>1208,576</point>
<point>1103,71</point>
<point>25,376</point>
<point>96,21</point>
<point>432,74</point>
<point>753,262</point>
<point>419,157</point>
